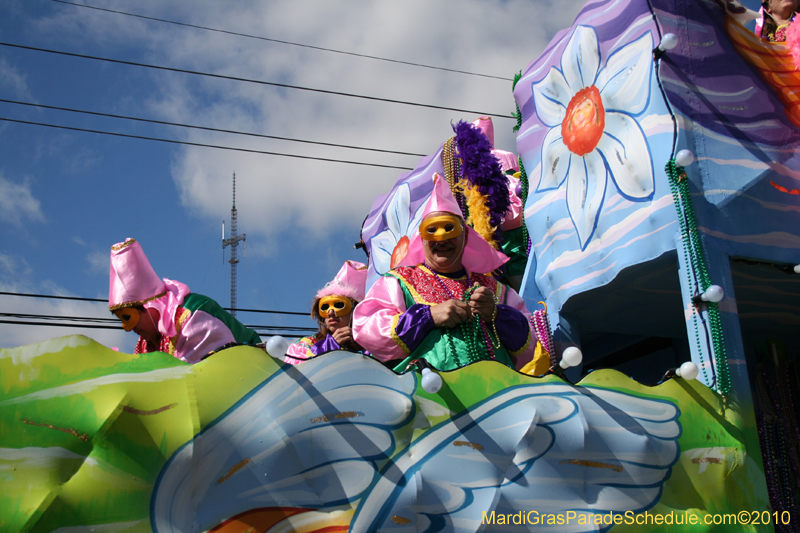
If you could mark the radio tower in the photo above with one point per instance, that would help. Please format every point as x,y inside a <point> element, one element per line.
<point>234,243</point>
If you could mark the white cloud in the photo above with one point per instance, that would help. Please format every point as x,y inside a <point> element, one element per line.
<point>13,267</point>
<point>17,202</point>
<point>99,262</point>
<point>12,80</point>
<point>13,335</point>
<point>15,277</point>
<point>315,200</point>
<point>491,37</point>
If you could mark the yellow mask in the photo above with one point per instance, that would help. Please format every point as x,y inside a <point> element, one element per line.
<point>129,317</point>
<point>341,305</point>
<point>440,228</point>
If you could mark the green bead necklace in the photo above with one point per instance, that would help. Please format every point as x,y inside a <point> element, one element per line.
<point>695,258</point>
<point>471,330</point>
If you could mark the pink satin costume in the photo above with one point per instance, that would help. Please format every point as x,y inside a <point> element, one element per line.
<point>187,335</point>
<point>381,321</point>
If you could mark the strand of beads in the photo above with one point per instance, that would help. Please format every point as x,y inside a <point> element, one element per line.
<point>695,257</point>
<point>764,426</point>
<point>776,444</point>
<point>452,174</point>
<point>471,330</point>
<point>723,381</point>
<point>786,452</point>
<point>486,334</point>
<point>786,399</point>
<point>541,327</point>
<point>471,355</point>
<point>523,179</point>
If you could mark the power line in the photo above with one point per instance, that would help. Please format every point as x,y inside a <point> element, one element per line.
<point>82,299</point>
<point>204,145</point>
<point>260,82</point>
<point>273,330</point>
<point>52,296</point>
<point>108,323</point>
<point>50,324</point>
<point>284,42</point>
<point>62,317</point>
<point>113,323</point>
<point>152,121</point>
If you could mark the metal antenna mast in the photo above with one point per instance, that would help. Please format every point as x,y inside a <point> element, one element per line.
<point>233,242</point>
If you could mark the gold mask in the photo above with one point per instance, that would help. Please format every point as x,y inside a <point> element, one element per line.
<point>341,305</point>
<point>440,228</point>
<point>129,317</point>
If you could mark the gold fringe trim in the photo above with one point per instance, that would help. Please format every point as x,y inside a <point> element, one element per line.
<point>136,304</point>
<point>120,246</point>
<point>500,290</point>
<point>178,326</point>
<point>524,346</point>
<point>396,338</point>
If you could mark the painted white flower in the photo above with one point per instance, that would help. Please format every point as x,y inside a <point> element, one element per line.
<point>594,134</point>
<point>390,246</point>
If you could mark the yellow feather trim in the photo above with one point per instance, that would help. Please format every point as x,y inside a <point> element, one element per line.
<point>479,212</point>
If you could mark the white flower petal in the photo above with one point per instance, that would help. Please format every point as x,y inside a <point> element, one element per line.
<point>551,96</point>
<point>413,224</point>
<point>624,83</point>
<point>555,161</point>
<point>381,247</point>
<point>397,213</point>
<point>586,188</point>
<point>627,154</point>
<point>581,60</point>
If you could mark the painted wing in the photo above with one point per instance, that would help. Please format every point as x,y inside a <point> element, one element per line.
<point>311,436</point>
<point>545,448</point>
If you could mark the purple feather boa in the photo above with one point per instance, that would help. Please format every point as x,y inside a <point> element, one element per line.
<point>482,169</point>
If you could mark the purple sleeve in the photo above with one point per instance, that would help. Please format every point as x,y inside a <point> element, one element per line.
<point>328,344</point>
<point>414,325</point>
<point>512,327</point>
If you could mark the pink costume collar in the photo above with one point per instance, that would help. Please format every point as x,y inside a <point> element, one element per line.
<point>168,305</point>
<point>478,256</point>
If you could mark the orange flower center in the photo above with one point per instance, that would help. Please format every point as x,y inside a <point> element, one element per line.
<point>583,124</point>
<point>400,251</point>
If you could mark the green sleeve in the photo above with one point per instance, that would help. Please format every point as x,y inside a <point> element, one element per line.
<point>243,335</point>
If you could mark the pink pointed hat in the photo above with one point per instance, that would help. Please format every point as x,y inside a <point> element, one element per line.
<point>479,256</point>
<point>508,161</point>
<point>132,280</point>
<point>485,125</point>
<point>351,281</point>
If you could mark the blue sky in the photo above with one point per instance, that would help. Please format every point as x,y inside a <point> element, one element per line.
<point>67,196</point>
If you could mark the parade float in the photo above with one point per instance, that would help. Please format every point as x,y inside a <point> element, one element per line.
<point>660,206</point>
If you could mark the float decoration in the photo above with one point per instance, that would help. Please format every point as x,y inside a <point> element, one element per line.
<point>94,437</point>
